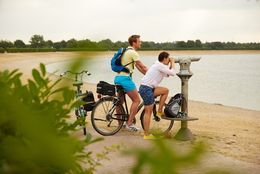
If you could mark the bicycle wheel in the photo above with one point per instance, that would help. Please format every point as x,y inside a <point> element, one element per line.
<point>158,126</point>
<point>104,117</point>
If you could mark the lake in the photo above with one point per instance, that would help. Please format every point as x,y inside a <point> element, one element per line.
<point>228,79</point>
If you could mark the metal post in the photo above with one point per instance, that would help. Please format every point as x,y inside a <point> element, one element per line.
<point>185,133</point>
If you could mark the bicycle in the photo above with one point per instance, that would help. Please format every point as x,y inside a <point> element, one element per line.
<point>88,97</point>
<point>109,114</point>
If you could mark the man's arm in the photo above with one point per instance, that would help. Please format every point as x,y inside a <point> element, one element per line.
<point>141,67</point>
<point>168,70</point>
<point>172,63</point>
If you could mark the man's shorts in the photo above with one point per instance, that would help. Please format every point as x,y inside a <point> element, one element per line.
<point>126,82</point>
<point>147,94</point>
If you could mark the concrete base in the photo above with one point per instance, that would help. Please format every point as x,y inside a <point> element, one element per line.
<point>184,134</point>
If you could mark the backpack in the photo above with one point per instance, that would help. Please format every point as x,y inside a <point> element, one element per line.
<point>116,61</point>
<point>90,101</point>
<point>172,109</point>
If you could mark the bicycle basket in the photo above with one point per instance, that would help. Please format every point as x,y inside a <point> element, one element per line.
<point>105,88</point>
<point>90,101</point>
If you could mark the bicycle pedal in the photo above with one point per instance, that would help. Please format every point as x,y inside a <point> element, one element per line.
<point>156,118</point>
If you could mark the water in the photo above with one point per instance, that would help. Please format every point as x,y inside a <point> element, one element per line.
<point>232,80</point>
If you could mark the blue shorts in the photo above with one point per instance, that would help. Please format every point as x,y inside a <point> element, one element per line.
<point>126,82</point>
<point>147,94</point>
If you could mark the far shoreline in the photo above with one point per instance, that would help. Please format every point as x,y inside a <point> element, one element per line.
<point>147,51</point>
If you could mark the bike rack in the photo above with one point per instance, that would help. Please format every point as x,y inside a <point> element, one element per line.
<point>184,132</point>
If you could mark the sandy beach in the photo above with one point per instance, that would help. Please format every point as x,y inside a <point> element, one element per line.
<point>232,133</point>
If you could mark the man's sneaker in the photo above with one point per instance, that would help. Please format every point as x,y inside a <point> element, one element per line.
<point>149,137</point>
<point>132,127</point>
<point>160,114</point>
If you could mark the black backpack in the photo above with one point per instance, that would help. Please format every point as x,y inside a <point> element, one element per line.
<point>172,109</point>
<point>90,101</point>
<point>105,88</point>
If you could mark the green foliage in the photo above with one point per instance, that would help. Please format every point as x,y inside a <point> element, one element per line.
<point>19,44</point>
<point>35,136</point>
<point>6,44</point>
<point>165,157</point>
<point>2,50</point>
<point>37,41</point>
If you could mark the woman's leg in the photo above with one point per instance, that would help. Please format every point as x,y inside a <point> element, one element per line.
<point>163,93</point>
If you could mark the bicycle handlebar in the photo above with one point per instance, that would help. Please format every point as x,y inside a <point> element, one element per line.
<point>76,73</point>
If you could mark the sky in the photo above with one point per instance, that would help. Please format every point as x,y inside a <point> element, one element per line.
<point>154,20</point>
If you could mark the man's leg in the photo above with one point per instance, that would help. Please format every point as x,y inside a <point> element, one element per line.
<point>163,92</point>
<point>134,96</point>
<point>147,118</point>
<point>118,111</point>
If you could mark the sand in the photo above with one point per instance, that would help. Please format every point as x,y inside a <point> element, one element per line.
<point>232,133</point>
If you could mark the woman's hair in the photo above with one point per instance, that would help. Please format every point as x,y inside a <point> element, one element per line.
<point>163,55</point>
<point>133,39</point>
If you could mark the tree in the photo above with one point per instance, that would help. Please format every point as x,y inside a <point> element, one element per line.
<point>72,43</point>
<point>6,44</point>
<point>59,45</point>
<point>198,43</point>
<point>119,44</point>
<point>37,41</point>
<point>19,44</point>
<point>181,44</point>
<point>49,44</point>
<point>105,44</point>
<point>190,44</point>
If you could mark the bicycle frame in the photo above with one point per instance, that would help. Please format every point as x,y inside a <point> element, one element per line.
<point>123,94</point>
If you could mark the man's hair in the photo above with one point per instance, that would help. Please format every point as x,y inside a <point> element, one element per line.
<point>133,39</point>
<point>163,55</point>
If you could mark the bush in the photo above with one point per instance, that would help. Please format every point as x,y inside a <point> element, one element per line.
<point>35,136</point>
<point>2,50</point>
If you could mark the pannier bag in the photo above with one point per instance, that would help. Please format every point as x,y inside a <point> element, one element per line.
<point>90,101</point>
<point>172,109</point>
<point>105,88</point>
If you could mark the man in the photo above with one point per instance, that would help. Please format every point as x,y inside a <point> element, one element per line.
<point>149,88</point>
<point>125,79</point>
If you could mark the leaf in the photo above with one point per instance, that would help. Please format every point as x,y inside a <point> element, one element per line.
<point>13,72</point>
<point>77,104</point>
<point>68,95</point>
<point>55,83</point>
<point>58,90</point>
<point>43,69</point>
<point>37,77</point>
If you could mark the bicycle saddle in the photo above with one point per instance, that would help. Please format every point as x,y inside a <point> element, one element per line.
<point>119,88</point>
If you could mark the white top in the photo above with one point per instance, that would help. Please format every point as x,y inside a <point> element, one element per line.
<point>155,74</point>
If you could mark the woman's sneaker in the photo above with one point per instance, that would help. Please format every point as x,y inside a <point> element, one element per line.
<point>132,127</point>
